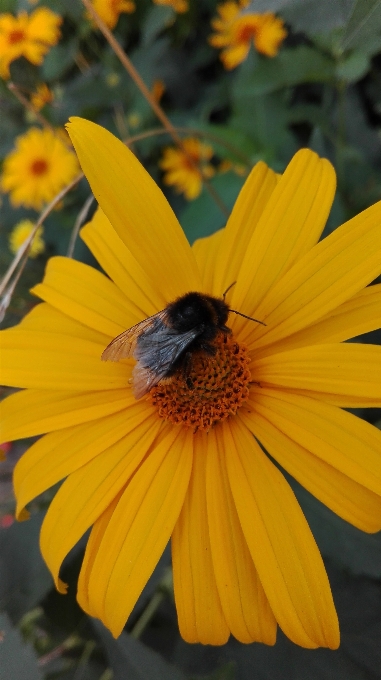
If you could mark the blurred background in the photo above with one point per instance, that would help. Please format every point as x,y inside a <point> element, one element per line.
<point>240,82</point>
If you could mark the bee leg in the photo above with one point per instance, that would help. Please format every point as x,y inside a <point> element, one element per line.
<point>209,349</point>
<point>186,370</point>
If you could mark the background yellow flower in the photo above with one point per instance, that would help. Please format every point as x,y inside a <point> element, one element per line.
<point>110,10</point>
<point>20,233</point>
<point>178,5</point>
<point>38,168</point>
<point>236,29</point>
<point>41,96</point>
<point>184,169</point>
<point>29,36</point>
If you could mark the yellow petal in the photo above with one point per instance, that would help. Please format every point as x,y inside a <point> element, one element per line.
<point>86,295</point>
<point>347,369</point>
<point>118,262</point>
<point>89,490</point>
<point>243,600</point>
<point>139,530</point>
<point>289,226</point>
<point>198,605</point>
<point>51,361</point>
<point>331,273</point>
<point>30,412</point>
<point>205,251</point>
<point>281,544</point>
<point>247,211</point>
<point>95,539</point>
<point>346,498</point>
<point>361,314</point>
<point>339,438</point>
<point>136,208</point>
<point>44,317</point>
<point>58,454</point>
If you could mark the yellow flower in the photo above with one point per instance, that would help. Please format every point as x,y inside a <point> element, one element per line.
<point>38,168</point>
<point>185,175</point>
<point>30,36</point>
<point>235,29</point>
<point>19,235</point>
<point>244,559</point>
<point>179,6</point>
<point>42,95</point>
<point>110,10</point>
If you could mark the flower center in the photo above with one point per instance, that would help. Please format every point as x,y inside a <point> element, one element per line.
<point>211,390</point>
<point>246,33</point>
<point>39,166</point>
<point>16,36</point>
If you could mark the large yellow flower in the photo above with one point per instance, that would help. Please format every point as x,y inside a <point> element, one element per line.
<point>236,29</point>
<point>185,168</point>
<point>110,10</point>
<point>244,559</point>
<point>30,36</point>
<point>38,168</point>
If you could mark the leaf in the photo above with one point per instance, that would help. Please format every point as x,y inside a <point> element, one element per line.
<point>308,16</point>
<point>59,60</point>
<point>364,22</point>
<point>158,19</point>
<point>202,216</point>
<point>24,578</point>
<point>130,659</point>
<point>353,67</point>
<point>18,660</point>
<point>292,66</point>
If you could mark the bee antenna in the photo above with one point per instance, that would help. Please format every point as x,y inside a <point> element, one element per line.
<point>227,290</point>
<point>247,317</point>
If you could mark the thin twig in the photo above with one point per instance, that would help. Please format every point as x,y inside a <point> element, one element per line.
<point>139,82</point>
<point>29,106</point>
<point>23,252</point>
<point>78,223</point>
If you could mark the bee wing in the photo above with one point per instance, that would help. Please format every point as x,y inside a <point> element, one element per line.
<point>123,345</point>
<point>156,355</point>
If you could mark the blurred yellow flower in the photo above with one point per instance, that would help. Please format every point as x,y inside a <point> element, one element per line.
<point>42,95</point>
<point>235,29</point>
<point>185,169</point>
<point>19,235</point>
<point>38,168</point>
<point>29,36</point>
<point>110,10</point>
<point>179,6</point>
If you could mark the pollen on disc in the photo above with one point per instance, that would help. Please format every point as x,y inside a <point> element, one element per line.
<point>213,388</point>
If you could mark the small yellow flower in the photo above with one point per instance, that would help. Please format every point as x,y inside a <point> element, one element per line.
<point>235,29</point>
<point>19,235</point>
<point>38,168</point>
<point>42,95</point>
<point>29,36</point>
<point>185,169</point>
<point>110,10</point>
<point>179,6</point>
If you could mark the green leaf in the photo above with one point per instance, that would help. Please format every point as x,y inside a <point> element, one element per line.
<point>24,577</point>
<point>309,16</point>
<point>364,22</point>
<point>158,19</point>
<point>59,60</point>
<point>130,659</point>
<point>353,67</point>
<point>292,66</point>
<point>18,660</point>
<point>202,216</point>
